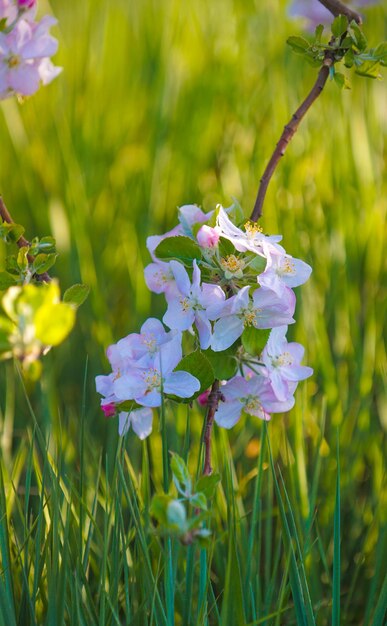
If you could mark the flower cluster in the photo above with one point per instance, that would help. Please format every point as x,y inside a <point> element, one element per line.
<point>231,289</point>
<point>25,49</point>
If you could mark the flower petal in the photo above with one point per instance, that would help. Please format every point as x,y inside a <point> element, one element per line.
<point>228,413</point>
<point>181,384</point>
<point>226,331</point>
<point>142,422</point>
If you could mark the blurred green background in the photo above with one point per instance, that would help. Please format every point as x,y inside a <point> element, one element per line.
<point>167,103</point>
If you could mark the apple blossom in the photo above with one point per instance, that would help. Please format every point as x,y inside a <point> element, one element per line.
<point>264,310</point>
<point>282,363</point>
<point>145,385</point>
<point>159,277</point>
<point>24,57</point>
<point>253,396</point>
<point>252,239</point>
<point>141,350</point>
<point>189,305</point>
<point>283,270</point>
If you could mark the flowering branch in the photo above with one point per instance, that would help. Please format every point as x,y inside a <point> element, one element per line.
<point>338,8</point>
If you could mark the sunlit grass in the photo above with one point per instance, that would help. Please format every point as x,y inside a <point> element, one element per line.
<point>162,104</point>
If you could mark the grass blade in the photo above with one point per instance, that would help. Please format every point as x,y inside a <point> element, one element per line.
<point>336,548</point>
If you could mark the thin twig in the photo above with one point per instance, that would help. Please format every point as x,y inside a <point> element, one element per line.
<point>22,242</point>
<point>287,134</point>
<point>213,402</point>
<point>338,8</point>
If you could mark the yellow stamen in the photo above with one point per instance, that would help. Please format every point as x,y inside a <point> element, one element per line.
<point>249,317</point>
<point>185,305</point>
<point>284,359</point>
<point>232,263</point>
<point>253,404</point>
<point>14,61</point>
<point>252,228</point>
<point>153,379</point>
<point>150,342</point>
<point>287,267</point>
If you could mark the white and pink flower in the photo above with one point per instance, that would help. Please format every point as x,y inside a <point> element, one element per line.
<point>283,270</point>
<point>264,310</point>
<point>254,396</point>
<point>282,362</point>
<point>25,53</point>
<point>189,305</point>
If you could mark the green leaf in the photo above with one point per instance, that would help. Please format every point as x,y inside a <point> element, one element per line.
<point>225,247</point>
<point>341,80</point>
<point>22,259</point>
<point>53,322</point>
<point>42,263</point>
<point>224,363</point>
<point>199,501</point>
<point>255,339</point>
<point>158,507</point>
<point>380,52</point>
<point>358,37</point>
<point>11,265</point>
<point>312,60</point>
<point>76,294</point>
<point>11,233</point>
<point>369,69</point>
<point>298,44</point>
<point>180,470</point>
<point>339,25</point>
<point>236,213</point>
<point>45,244</point>
<point>258,264</point>
<point>199,366</point>
<point>207,484</point>
<point>318,33</point>
<point>3,23</point>
<point>181,248</point>
<point>6,280</point>
<point>349,58</point>
<point>177,516</point>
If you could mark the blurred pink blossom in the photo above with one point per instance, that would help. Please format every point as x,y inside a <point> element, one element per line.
<point>25,50</point>
<point>26,4</point>
<point>316,13</point>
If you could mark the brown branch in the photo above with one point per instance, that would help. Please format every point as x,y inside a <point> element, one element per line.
<point>213,402</point>
<point>22,242</point>
<point>338,8</point>
<point>287,134</point>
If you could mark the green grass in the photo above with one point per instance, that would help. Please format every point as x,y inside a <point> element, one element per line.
<point>161,104</point>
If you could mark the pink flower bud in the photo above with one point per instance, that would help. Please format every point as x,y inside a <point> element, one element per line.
<point>109,409</point>
<point>207,237</point>
<point>203,398</point>
<point>26,4</point>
